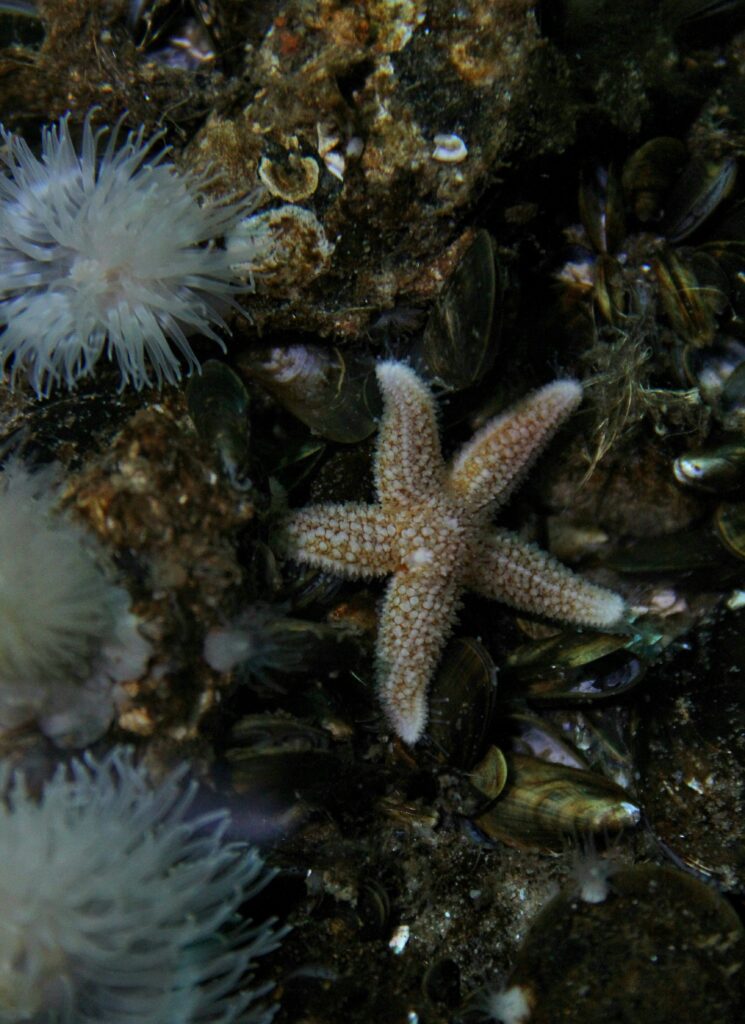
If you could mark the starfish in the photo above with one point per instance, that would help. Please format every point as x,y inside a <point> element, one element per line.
<point>431,530</point>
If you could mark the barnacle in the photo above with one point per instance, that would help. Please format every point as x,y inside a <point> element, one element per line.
<point>66,631</point>
<point>106,251</point>
<point>117,905</point>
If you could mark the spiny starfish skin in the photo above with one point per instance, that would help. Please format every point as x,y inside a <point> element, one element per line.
<point>431,530</point>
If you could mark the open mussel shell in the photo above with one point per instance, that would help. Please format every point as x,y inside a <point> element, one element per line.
<point>576,667</point>
<point>693,13</point>
<point>543,803</point>
<point>346,475</point>
<point>298,460</point>
<point>603,734</point>
<point>729,521</point>
<point>282,768</point>
<point>462,700</point>
<point>270,734</point>
<point>458,344</point>
<point>649,173</point>
<point>535,736</point>
<point>717,469</point>
<point>697,193</point>
<point>718,374</point>
<point>597,739</point>
<point>610,292</point>
<point>602,210</point>
<point>662,948</point>
<point>313,588</point>
<point>332,392</point>
<point>718,265</point>
<point>218,405</point>
<point>690,308</point>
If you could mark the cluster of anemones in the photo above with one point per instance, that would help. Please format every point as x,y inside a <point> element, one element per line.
<point>67,634</point>
<point>117,903</point>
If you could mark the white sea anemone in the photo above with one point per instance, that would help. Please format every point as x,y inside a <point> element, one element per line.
<point>67,635</point>
<point>591,873</point>
<point>508,1005</point>
<point>261,640</point>
<point>106,252</point>
<point>116,907</point>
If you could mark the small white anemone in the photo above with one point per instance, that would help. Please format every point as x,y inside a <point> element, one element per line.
<point>67,635</point>
<point>508,1005</point>
<point>118,906</point>
<point>591,873</point>
<point>261,640</point>
<point>106,250</point>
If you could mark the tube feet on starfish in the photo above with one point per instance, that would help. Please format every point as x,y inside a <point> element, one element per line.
<point>430,529</point>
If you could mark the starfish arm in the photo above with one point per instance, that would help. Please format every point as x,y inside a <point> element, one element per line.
<point>490,466</point>
<point>408,464</point>
<point>509,569</point>
<point>347,539</point>
<point>417,617</point>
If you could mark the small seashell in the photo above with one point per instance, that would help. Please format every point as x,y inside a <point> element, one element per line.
<point>294,179</point>
<point>490,774</point>
<point>328,138</point>
<point>335,164</point>
<point>373,908</point>
<point>449,149</point>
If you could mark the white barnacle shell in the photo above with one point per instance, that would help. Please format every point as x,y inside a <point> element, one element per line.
<point>449,149</point>
<point>291,179</point>
<point>335,164</point>
<point>282,248</point>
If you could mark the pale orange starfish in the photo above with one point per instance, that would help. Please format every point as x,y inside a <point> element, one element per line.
<point>431,529</point>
